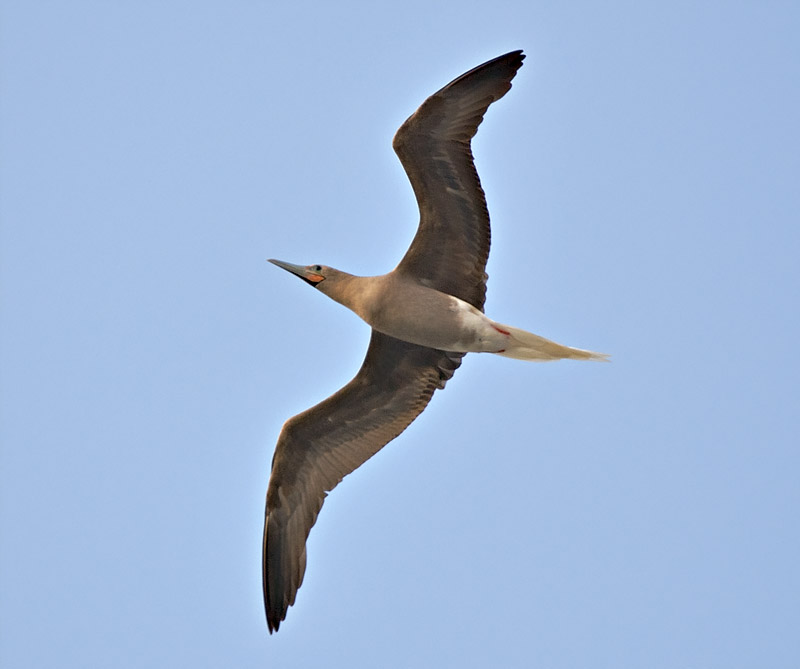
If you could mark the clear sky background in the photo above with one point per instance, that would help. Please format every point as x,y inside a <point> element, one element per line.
<point>643,181</point>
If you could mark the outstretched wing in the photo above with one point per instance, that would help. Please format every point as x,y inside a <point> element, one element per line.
<point>320,446</point>
<point>450,249</point>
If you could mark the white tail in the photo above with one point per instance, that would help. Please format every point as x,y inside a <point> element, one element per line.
<point>524,345</point>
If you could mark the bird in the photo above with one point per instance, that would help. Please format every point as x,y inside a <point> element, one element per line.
<point>425,315</point>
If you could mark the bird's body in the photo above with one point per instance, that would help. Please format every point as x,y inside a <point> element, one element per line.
<point>425,315</point>
<point>405,309</point>
<point>402,307</point>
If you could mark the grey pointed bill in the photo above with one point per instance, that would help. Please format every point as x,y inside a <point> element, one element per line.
<point>425,315</point>
<point>306,273</point>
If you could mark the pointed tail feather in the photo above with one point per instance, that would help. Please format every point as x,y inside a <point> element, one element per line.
<point>524,345</point>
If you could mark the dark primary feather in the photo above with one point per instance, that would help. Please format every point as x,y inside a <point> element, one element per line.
<point>320,446</point>
<point>450,249</point>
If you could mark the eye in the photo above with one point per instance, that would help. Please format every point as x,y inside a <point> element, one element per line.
<point>317,268</point>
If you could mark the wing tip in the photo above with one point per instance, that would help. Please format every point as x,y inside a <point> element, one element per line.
<point>273,622</point>
<point>497,73</point>
<point>275,611</point>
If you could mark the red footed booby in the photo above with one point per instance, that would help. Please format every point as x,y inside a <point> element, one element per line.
<point>425,315</point>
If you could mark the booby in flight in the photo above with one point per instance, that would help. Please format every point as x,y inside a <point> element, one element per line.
<point>425,315</point>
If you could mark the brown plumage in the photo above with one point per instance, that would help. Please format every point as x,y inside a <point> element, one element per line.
<point>425,314</point>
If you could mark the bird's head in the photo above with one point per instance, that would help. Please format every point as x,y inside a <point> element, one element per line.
<point>339,286</point>
<point>311,274</point>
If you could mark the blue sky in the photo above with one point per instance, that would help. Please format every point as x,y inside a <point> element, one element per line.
<point>642,177</point>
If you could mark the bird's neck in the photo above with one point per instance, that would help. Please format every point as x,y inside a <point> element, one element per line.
<point>360,294</point>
